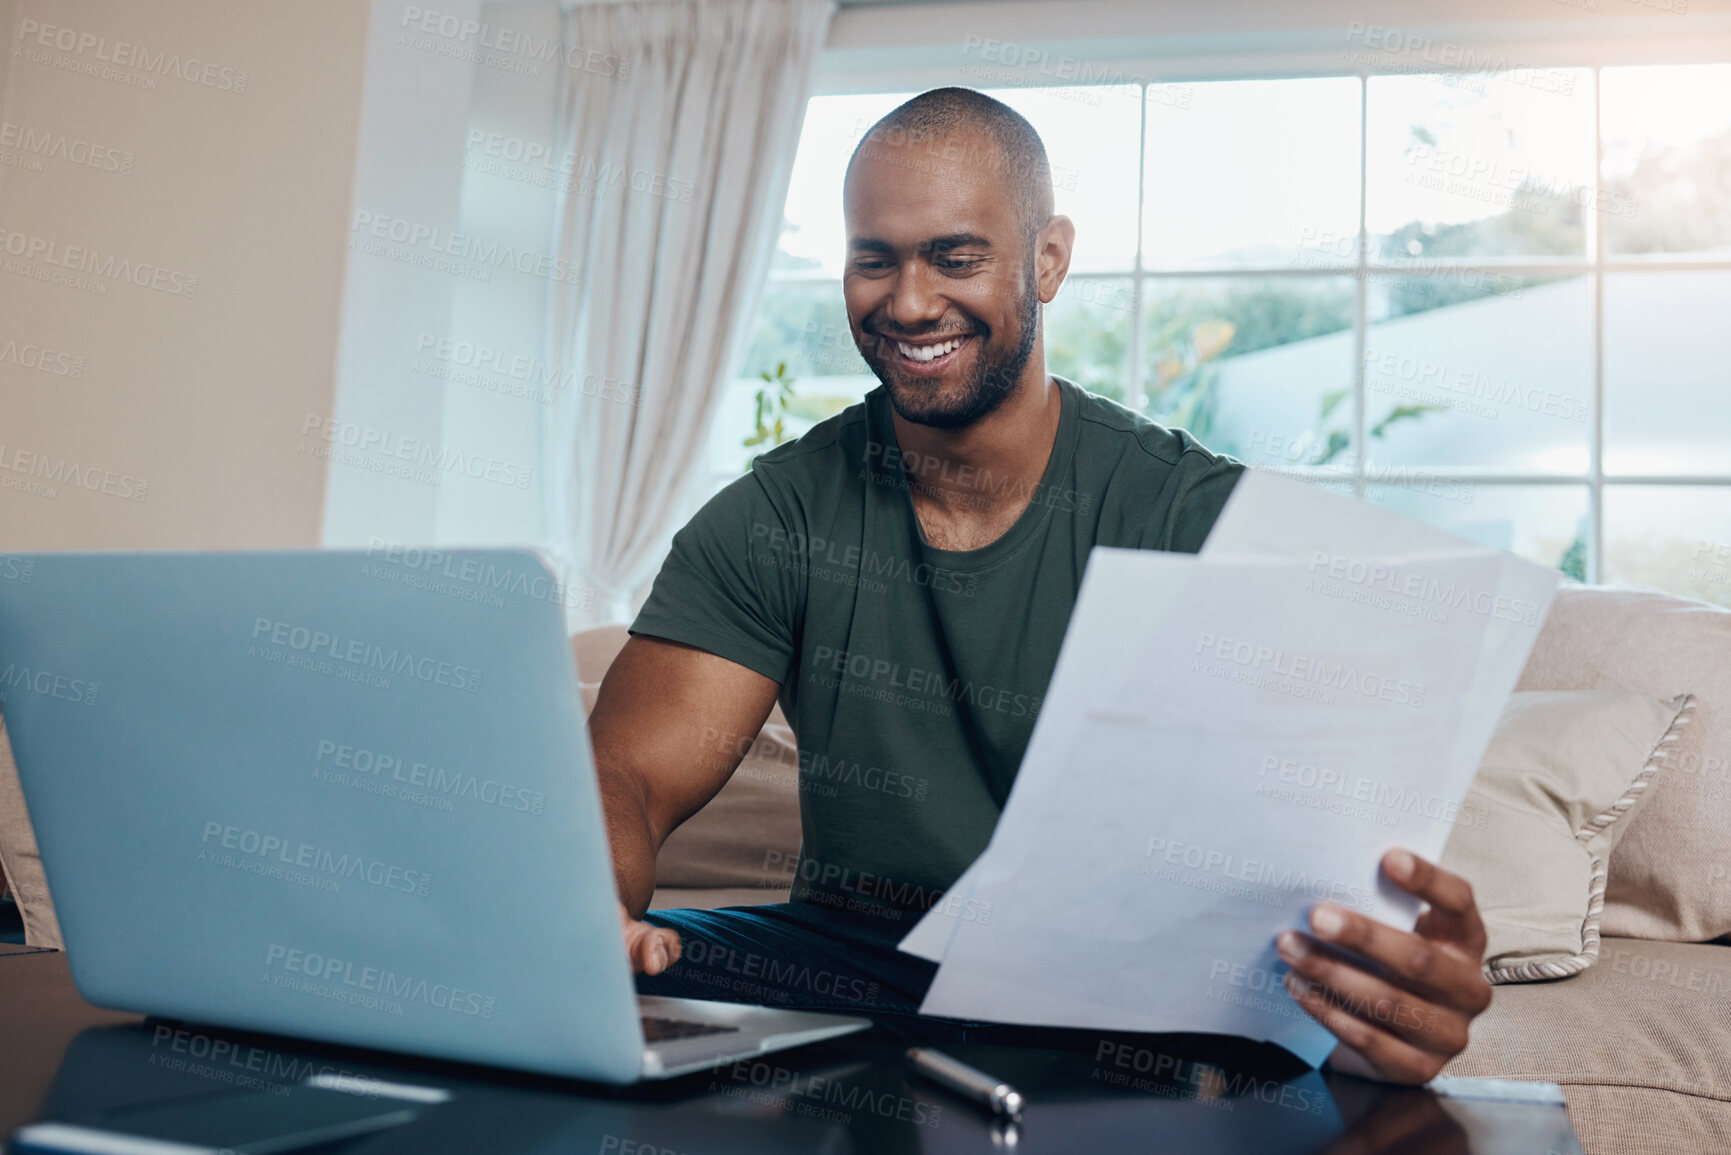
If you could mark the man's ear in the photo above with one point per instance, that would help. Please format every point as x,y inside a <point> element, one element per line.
<point>1052,249</point>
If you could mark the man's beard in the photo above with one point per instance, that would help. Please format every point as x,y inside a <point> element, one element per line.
<point>989,385</point>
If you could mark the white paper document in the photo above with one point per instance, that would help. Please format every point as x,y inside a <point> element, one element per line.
<point>1228,739</point>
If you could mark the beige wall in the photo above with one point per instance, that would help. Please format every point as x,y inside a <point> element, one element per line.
<point>200,395</point>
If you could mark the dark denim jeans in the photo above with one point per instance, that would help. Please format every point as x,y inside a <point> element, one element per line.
<point>809,957</point>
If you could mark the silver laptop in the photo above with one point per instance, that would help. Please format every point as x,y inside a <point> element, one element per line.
<point>342,795</point>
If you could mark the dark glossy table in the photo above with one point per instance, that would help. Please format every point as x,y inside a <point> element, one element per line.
<point>62,1059</point>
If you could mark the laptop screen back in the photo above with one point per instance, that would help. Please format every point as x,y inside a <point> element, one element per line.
<point>346,795</point>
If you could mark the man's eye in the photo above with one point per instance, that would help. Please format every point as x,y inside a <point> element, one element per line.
<point>869,265</point>
<point>954,264</point>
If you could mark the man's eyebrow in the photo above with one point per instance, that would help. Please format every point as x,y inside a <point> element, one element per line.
<point>936,244</point>
<point>959,241</point>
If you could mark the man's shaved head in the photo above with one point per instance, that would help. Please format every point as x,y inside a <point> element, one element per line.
<point>961,116</point>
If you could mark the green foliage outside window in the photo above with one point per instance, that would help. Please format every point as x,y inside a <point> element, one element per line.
<point>772,409</point>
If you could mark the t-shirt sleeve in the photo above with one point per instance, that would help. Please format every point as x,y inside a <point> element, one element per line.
<point>1204,484</point>
<point>727,586</point>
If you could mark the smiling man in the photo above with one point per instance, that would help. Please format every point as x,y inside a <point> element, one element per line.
<point>900,578</point>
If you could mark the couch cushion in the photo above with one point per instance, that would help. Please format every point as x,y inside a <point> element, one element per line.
<point>1649,1015</point>
<point>1564,773</point>
<point>1638,1121</point>
<point>19,858</point>
<point>748,835</point>
<point>1670,877</point>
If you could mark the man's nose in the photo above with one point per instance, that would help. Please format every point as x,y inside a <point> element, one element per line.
<point>914,302</point>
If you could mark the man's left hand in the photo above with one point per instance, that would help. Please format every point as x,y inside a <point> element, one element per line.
<point>1399,1002</point>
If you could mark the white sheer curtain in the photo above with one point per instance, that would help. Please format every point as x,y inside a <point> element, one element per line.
<point>683,117</point>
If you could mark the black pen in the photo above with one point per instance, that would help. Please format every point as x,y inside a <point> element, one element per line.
<point>993,1094</point>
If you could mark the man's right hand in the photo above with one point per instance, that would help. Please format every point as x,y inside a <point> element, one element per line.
<point>651,949</point>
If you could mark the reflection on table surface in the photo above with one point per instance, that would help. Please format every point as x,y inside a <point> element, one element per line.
<point>851,1095</point>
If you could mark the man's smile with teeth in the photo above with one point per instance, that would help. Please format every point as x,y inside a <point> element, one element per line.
<point>928,352</point>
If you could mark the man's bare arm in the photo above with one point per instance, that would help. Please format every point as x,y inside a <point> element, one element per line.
<point>669,727</point>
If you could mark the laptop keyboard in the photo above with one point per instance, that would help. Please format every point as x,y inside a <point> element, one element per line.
<point>657,1030</point>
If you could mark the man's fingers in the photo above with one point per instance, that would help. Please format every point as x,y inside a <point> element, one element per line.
<point>651,949</point>
<point>1438,971</point>
<point>1399,1002</point>
<point>1453,913</point>
<point>1403,1014</point>
<point>1384,1056</point>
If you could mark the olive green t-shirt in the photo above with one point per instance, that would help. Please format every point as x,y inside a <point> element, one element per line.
<point>912,676</point>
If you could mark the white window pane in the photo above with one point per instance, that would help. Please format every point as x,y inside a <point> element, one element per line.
<point>1250,173</point>
<point>1546,524</point>
<point>1090,139</point>
<point>1667,134</point>
<point>804,325</point>
<point>814,236</point>
<point>1673,537</point>
<point>1668,373</point>
<point>1087,334</point>
<point>801,327</point>
<point>1482,165</point>
<point>1461,372</point>
<point>1257,367</point>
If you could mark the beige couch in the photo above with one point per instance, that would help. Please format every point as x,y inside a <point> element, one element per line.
<point>1641,1041</point>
